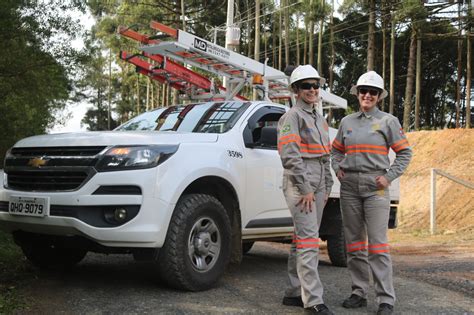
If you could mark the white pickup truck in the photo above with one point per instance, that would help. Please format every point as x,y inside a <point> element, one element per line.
<point>190,187</point>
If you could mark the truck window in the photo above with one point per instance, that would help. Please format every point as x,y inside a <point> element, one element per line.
<point>263,122</point>
<point>210,117</point>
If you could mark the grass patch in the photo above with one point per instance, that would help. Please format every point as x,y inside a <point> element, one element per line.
<point>13,270</point>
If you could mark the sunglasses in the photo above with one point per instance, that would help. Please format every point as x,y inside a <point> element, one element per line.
<point>308,86</point>
<point>372,92</point>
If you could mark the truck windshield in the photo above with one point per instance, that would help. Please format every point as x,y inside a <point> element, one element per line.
<point>211,117</point>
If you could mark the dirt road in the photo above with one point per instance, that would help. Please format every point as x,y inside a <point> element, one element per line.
<point>118,285</point>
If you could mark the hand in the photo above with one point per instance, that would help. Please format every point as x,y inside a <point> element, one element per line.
<point>307,202</point>
<point>340,174</point>
<point>381,182</point>
<point>326,197</point>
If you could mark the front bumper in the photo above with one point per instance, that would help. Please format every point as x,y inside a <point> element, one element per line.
<point>146,229</point>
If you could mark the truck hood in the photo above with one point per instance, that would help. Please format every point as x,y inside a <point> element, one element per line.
<point>107,138</point>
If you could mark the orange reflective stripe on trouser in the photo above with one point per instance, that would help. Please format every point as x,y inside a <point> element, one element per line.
<point>378,248</point>
<point>357,246</point>
<point>306,242</point>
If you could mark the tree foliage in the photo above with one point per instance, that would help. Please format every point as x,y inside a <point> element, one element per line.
<point>35,66</point>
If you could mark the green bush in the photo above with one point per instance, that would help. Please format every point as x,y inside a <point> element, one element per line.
<point>13,269</point>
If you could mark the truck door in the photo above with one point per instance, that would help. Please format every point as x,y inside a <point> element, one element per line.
<point>265,206</point>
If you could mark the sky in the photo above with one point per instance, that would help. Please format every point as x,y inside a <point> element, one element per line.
<point>77,110</point>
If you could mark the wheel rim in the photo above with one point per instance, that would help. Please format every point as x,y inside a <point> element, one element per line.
<point>204,244</point>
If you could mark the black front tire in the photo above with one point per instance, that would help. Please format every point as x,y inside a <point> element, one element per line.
<point>198,244</point>
<point>336,245</point>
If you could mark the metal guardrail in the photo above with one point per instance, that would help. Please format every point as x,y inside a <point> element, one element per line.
<point>435,172</point>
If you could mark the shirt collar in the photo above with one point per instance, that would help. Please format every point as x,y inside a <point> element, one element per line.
<point>305,106</point>
<point>371,113</point>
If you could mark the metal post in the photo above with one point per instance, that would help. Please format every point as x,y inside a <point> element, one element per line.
<point>433,202</point>
<point>228,38</point>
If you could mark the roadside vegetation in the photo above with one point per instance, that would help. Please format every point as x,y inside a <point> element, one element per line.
<point>13,271</point>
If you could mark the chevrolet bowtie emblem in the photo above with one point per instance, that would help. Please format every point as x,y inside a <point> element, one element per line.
<point>37,162</point>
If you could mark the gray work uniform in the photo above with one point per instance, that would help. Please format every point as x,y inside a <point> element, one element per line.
<point>304,147</point>
<point>361,149</point>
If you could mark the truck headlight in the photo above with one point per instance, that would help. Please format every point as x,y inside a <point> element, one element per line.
<point>134,157</point>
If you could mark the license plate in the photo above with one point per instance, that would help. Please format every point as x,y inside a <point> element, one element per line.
<point>29,206</point>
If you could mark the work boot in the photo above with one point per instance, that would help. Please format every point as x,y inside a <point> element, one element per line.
<point>293,301</point>
<point>318,309</point>
<point>385,309</point>
<point>354,301</point>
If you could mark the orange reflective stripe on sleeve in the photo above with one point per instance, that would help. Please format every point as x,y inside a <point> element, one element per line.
<point>400,145</point>
<point>338,146</point>
<point>291,138</point>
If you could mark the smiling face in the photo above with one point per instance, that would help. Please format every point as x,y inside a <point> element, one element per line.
<point>308,90</point>
<point>368,97</point>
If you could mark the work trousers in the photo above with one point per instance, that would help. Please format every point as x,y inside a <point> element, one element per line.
<point>303,276</point>
<point>365,214</point>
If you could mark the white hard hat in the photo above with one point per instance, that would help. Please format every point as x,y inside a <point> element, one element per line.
<point>373,79</point>
<point>305,72</point>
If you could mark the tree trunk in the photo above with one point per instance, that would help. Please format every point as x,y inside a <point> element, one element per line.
<point>320,46</point>
<point>287,33</point>
<point>418,85</point>
<point>371,39</point>
<point>333,57</point>
<point>458,80</point>
<point>249,29</point>
<point>274,60</point>
<point>280,29</point>
<point>147,102</point>
<point>311,34</point>
<point>468,66</point>
<point>109,106</point>
<point>305,46</point>
<point>385,23</point>
<point>392,64</point>
<point>409,86</point>
<point>138,95</point>
<point>297,39</point>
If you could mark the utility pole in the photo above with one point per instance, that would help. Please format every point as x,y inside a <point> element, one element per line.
<point>229,34</point>
<point>256,53</point>
<point>183,16</point>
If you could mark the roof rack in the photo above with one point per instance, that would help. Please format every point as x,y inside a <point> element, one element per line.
<point>192,50</point>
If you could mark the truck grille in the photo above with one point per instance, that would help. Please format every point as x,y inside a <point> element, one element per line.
<point>50,168</point>
<point>57,151</point>
<point>46,180</point>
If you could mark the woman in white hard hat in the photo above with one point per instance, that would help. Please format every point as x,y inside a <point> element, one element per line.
<point>360,160</point>
<point>304,147</point>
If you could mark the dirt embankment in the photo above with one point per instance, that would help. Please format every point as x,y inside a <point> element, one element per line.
<point>452,151</point>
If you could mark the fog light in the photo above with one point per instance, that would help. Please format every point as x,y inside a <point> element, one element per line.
<point>120,214</point>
